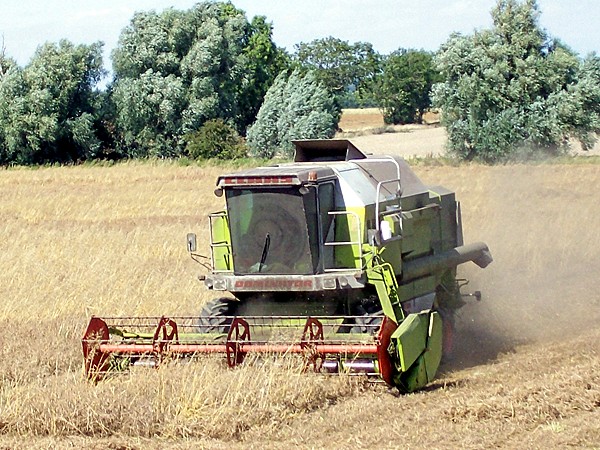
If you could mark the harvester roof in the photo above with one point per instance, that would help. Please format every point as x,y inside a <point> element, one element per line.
<point>322,159</point>
<point>283,174</point>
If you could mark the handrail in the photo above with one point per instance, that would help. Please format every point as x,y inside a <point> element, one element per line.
<point>395,180</point>
<point>385,158</point>
<point>377,207</point>
<point>350,243</point>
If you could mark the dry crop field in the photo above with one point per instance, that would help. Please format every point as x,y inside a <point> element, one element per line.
<point>77,241</point>
<point>357,119</point>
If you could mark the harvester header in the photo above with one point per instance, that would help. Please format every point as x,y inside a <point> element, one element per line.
<point>346,258</point>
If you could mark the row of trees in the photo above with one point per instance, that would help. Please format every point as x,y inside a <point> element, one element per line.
<point>175,72</point>
<point>192,82</point>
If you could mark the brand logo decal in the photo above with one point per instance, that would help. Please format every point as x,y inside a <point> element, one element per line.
<point>273,284</point>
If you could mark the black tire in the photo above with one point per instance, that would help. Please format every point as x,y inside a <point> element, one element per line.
<point>369,323</point>
<point>215,316</point>
<point>369,316</point>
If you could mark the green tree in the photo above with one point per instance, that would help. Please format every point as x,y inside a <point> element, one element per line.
<point>297,106</point>
<point>347,70</point>
<point>512,89</point>
<point>149,110</point>
<point>264,62</point>
<point>47,109</point>
<point>177,69</point>
<point>582,113</point>
<point>404,86</point>
<point>215,139</point>
<point>11,89</point>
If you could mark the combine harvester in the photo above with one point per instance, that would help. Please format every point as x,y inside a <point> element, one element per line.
<point>346,259</point>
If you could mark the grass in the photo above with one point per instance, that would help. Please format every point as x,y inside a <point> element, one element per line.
<point>86,240</point>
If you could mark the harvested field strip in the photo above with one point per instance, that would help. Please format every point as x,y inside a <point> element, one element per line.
<point>79,241</point>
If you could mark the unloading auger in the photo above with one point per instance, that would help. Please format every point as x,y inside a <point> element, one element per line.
<point>346,259</point>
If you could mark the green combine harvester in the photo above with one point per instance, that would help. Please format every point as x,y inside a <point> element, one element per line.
<point>346,259</point>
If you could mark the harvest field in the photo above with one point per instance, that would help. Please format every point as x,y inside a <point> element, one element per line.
<point>78,241</point>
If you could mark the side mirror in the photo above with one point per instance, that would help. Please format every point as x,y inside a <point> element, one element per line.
<point>191,242</point>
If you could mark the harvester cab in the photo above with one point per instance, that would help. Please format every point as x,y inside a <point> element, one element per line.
<point>347,259</point>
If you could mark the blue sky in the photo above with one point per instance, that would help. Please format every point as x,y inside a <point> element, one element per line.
<point>387,24</point>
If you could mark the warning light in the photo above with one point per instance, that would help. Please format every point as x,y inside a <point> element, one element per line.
<point>258,180</point>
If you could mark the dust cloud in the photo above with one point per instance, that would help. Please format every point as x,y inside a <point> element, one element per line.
<point>541,224</point>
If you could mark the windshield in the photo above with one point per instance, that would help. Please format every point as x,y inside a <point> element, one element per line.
<point>273,230</point>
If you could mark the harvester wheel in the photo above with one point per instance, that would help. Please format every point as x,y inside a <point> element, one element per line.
<point>368,317</point>
<point>216,315</point>
<point>368,323</point>
<point>449,330</point>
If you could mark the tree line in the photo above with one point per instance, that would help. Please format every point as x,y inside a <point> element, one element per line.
<point>209,83</point>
